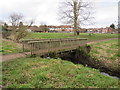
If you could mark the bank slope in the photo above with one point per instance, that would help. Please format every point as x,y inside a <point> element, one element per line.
<point>52,73</point>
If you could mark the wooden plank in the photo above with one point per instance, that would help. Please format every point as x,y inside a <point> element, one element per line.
<point>49,45</point>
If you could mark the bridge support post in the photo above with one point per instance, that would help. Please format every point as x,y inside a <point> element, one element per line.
<point>23,47</point>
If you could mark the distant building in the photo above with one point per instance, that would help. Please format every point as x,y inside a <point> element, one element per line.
<point>66,28</point>
<point>29,30</point>
<point>100,30</point>
<point>34,29</point>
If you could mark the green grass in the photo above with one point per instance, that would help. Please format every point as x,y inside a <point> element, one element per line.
<point>48,35</point>
<point>54,73</point>
<point>9,47</point>
<point>106,53</point>
<point>70,35</point>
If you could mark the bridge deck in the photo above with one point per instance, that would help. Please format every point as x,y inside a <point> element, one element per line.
<point>43,46</point>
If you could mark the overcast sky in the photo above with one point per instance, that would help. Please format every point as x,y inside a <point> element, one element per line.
<point>106,11</point>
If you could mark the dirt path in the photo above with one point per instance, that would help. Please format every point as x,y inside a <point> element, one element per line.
<point>14,56</point>
<point>19,55</point>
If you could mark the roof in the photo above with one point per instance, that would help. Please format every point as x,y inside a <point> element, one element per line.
<point>61,26</point>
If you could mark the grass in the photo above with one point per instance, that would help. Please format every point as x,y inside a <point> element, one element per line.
<point>70,35</point>
<point>9,47</point>
<point>54,73</point>
<point>107,52</point>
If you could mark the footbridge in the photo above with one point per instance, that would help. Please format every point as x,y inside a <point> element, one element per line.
<point>42,46</point>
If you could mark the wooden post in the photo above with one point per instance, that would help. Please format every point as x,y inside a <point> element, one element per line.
<point>23,47</point>
<point>31,48</point>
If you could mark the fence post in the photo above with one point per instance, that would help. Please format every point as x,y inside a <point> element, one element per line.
<point>23,47</point>
<point>31,48</point>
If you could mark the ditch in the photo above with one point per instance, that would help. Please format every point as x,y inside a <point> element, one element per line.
<point>81,56</point>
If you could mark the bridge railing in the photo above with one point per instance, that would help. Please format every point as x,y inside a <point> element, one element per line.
<point>36,47</point>
<point>27,46</point>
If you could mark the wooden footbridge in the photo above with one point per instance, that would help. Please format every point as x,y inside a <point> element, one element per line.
<point>42,46</point>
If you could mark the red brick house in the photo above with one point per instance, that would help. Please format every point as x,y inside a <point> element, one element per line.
<point>101,30</point>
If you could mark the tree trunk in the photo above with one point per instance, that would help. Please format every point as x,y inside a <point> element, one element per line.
<point>75,18</point>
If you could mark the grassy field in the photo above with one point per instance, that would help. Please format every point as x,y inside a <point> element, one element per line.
<point>9,47</point>
<point>56,73</point>
<point>52,73</point>
<point>70,35</point>
<point>107,53</point>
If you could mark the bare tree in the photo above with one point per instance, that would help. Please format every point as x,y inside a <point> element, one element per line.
<point>30,22</point>
<point>44,27</point>
<point>18,29</point>
<point>21,32</point>
<point>75,12</point>
<point>15,19</point>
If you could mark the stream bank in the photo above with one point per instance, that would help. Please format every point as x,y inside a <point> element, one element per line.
<point>81,56</point>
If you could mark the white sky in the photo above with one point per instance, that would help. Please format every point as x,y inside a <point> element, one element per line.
<point>106,11</point>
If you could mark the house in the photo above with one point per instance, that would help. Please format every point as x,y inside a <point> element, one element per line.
<point>61,28</point>
<point>34,29</point>
<point>66,28</point>
<point>101,30</point>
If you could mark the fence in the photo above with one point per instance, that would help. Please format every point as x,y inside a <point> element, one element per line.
<point>49,45</point>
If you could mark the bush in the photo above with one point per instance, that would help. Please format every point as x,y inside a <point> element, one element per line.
<point>19,34</point>
<point>6,33</point>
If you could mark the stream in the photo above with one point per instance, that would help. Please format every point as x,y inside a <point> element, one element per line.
<point>103,73</point>
<point>78,56</point>
<point>106,74</point>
